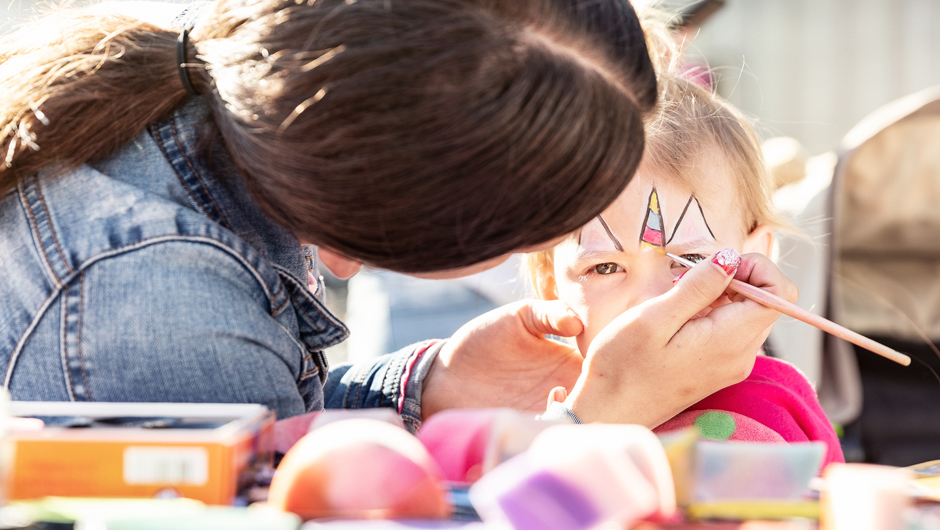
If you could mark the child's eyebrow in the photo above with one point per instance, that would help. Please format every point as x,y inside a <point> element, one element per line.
<point>591,255</point>
<point>700,243</point>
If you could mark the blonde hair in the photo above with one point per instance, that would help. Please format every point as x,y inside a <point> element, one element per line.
<point>691,120</point>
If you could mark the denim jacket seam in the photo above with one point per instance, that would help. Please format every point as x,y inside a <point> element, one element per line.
<point>55,239</point>
<point>329,318</point>
<point>81,314</point>
<point>179,145</point>
<point>204,240</point>
<point>360,382</point>
<point>155,134</point>
<point>392,383</point>
<point>301,375</point>
<point>63,346</point>
<point>143,243</point>
<point>64,338</point>
<point>346,396</point>
<point>312,320</point>
<point>280,309</point>
<point>61,283</point>
<point>37,238</point>
<point>180,177</point>
<point>14,357</point>
<point>412,385</point>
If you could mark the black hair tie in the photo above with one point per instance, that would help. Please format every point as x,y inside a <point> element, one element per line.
<point>181,43</point>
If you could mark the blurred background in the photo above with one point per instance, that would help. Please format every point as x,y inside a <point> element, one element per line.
<point>811,69</point>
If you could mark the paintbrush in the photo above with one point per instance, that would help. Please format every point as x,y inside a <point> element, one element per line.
<point>774,302</point>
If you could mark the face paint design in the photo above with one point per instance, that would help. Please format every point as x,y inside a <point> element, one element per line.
<point>691,225</point>
<point>597,237</point>
<point>652,232</point>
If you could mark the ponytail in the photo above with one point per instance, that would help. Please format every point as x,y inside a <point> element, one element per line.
<point>92,85</point>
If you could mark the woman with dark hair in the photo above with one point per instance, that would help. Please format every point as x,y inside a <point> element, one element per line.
<point>159,180</point>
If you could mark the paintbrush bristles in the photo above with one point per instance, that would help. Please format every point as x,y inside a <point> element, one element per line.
<point>787,308</point>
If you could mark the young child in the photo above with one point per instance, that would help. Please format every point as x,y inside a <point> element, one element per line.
<point>702,187</point>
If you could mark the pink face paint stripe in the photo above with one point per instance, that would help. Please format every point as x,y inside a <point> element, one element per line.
<point>652,235</point>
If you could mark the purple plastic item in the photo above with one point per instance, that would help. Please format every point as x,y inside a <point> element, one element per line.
<point>548,502</point>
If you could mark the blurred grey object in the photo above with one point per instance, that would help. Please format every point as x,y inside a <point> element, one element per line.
<point>386,311</point>
<point>871,262</point>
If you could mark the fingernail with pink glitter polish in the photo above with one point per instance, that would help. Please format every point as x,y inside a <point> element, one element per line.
<point>729,260</point>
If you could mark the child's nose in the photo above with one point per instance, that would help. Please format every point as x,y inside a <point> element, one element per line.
<point>653,277</point>
<point>651,287</point>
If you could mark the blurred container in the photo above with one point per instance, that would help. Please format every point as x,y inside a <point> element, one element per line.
<point>865,497</point>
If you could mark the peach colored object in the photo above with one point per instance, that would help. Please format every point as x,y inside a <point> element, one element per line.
<point>289,431</point>
<point>774,302</point>
<point>359,468</point>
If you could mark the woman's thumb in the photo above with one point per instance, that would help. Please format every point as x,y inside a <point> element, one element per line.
<point>549,317</point>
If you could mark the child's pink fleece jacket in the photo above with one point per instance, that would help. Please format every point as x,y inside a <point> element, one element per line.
<point>775,404</point>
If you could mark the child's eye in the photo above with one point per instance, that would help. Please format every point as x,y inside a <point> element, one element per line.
<point>607,268</point>
<point>694,258</point>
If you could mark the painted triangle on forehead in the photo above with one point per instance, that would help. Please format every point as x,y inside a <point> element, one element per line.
<point>691,225</point>
<point>651,235</point>
<point>596,236</point>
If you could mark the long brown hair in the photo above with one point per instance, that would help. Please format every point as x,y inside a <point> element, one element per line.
<point>413,135</point>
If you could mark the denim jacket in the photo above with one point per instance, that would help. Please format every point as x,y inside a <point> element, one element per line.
<point>151,276</point>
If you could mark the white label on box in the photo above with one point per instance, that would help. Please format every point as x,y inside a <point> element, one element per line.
<point>166,465</point>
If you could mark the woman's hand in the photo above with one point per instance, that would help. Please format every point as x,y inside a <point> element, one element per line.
<point>502,359</point>
<point>655,360</point>
<point>648,365</point>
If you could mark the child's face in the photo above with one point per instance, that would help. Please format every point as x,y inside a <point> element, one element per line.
<point>612,265</point>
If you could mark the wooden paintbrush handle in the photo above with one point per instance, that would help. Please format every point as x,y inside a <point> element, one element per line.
<point>774,302</point>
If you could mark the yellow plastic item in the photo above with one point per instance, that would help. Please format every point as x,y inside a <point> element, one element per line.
<point>749,510</point>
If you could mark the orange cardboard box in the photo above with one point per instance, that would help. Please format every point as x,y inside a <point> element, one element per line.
<point>208,452</point>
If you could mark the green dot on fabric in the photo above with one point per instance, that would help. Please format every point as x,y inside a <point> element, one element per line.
<point>715,425</point>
